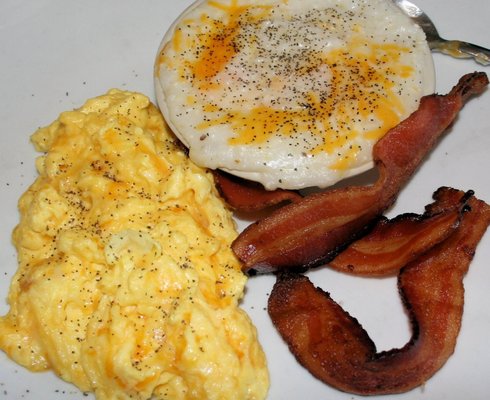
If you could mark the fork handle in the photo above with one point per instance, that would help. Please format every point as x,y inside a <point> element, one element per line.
<point>459,49</point>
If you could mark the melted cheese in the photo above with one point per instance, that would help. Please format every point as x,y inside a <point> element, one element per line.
<point>290,93</point>
<point>127,285</point>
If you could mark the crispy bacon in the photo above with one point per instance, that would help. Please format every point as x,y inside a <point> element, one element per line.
<point>314,229</point>
<point>393,243</point>
<point>335,348</point>
<point>246,196</point>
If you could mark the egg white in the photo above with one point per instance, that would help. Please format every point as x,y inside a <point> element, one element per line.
<point>309,88</point>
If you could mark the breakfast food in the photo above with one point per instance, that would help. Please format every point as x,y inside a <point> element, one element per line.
<point>290,93</point>
<point>394,242</point>
<point>127,285</point>
<point>335,348</point>
<point>312,230</point>
<point>247,196</point>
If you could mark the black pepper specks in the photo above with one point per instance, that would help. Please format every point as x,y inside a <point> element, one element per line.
<point>316,80</point>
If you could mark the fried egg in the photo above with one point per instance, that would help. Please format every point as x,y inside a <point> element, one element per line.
<point>290,93</point>
<point>127,286</point>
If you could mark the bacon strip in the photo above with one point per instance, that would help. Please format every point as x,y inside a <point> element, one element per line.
<point>394,243</point>
<point>247,196</point>
<point>314,229</point>
<point>335,348</point>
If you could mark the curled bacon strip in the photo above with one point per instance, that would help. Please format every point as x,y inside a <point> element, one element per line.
<point>394,243</point>
<point>335,348</point>
<point>312,230</point>
<point>247,196</point>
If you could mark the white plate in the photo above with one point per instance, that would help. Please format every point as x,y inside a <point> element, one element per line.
<point>56,54</point>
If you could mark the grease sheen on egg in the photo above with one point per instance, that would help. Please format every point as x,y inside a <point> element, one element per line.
<point>290,93</point>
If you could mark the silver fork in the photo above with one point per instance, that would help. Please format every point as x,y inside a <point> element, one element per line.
<point>454,48</point>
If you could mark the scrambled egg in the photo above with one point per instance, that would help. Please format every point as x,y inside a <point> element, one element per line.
<point>126,283</point>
